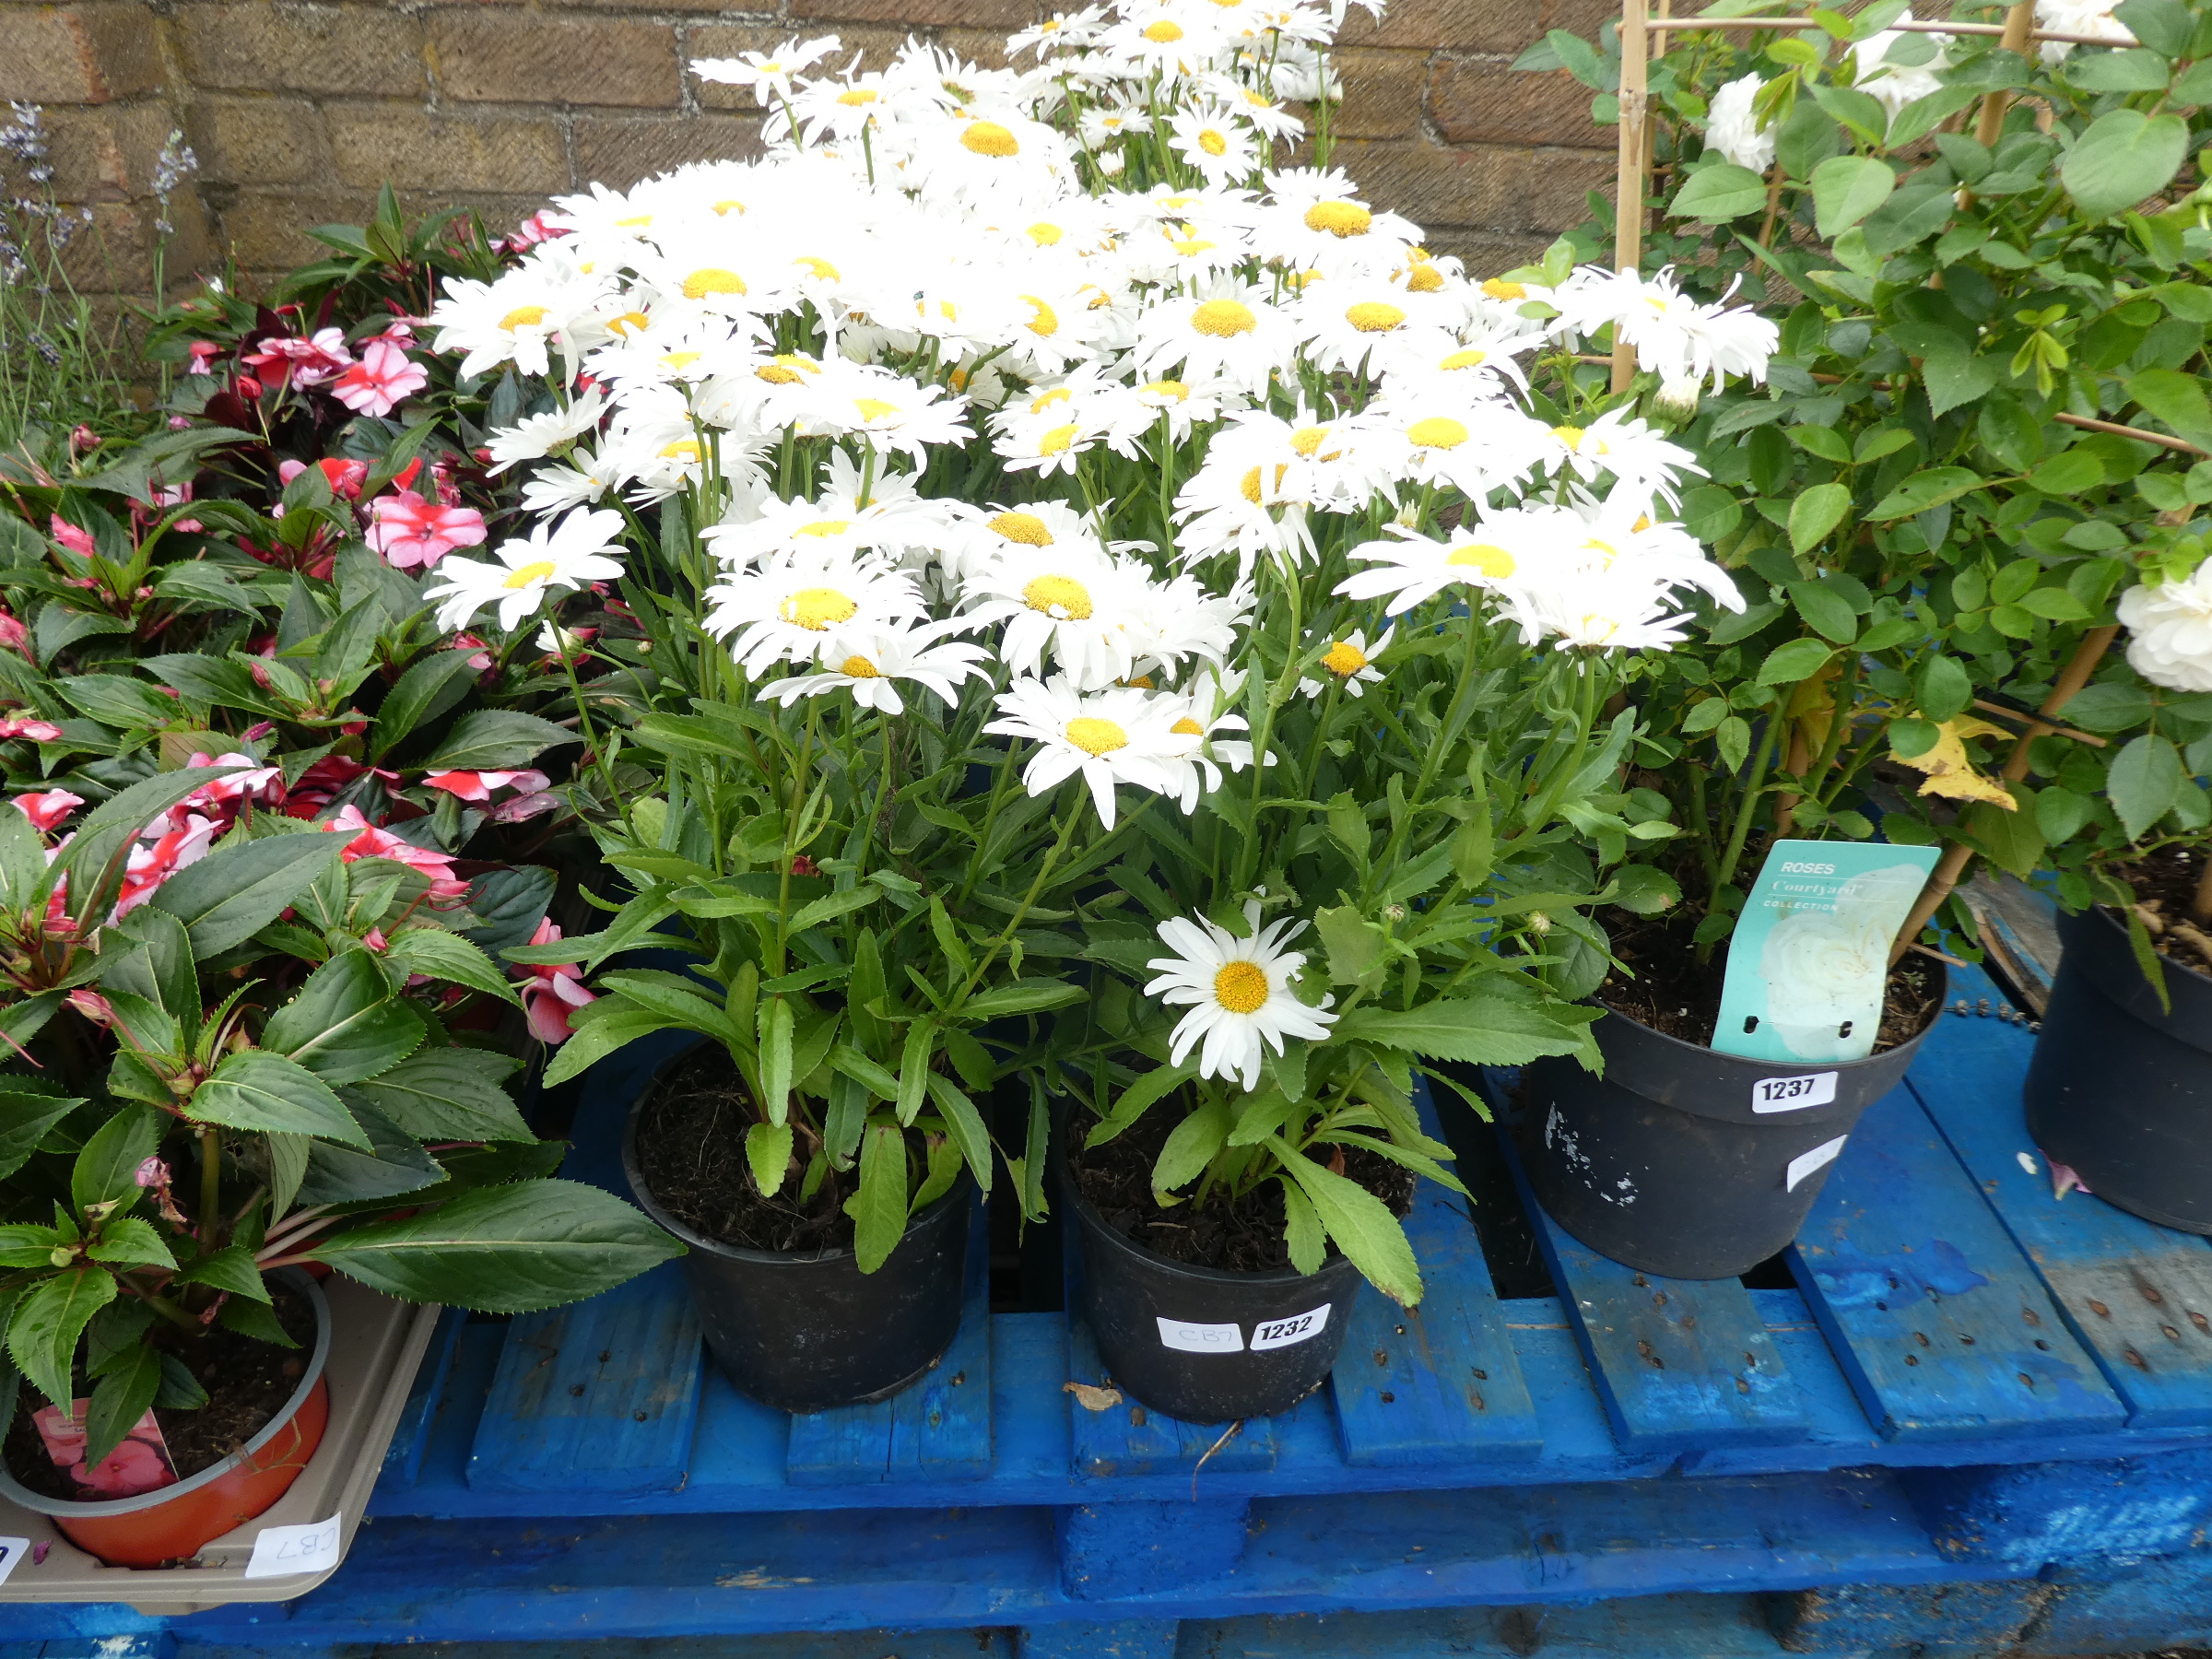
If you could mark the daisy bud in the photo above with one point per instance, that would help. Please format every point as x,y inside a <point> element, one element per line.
<point>1394,913</point>
<point>1539,923</point>
<point>1676,398</point>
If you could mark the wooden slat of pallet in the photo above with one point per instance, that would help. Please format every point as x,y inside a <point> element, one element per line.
<point>1942,1325</point>
<point>1439,1382</point>
<point>937,1429</point>
<point>1682,1365</point>
<point>1128,1438</point>
<point>602,1394</point>
<point>2137,1295</point>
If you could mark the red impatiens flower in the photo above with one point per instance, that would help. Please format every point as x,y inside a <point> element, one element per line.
<point>369,842</point>
<point>382,377</point>
<point>319,783</point>
<point>410,532</point>
<point>306,362</point>
<point>151,865</point>
<point>46,808</point>
<point>478,785</point>
<point>552,989</point>
<point>38,731</point>
<point>205,354</point>
<point>345,477</point>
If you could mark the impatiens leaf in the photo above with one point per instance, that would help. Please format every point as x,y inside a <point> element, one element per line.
<point>257,1089</point>
<point>42,1337</point>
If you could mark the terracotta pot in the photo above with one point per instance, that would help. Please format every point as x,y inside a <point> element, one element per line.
<point>172,1522</point>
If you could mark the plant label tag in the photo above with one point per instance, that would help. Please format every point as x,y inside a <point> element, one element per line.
<point>1287,1332</point>
<point>1794,1094</point>
<point>1820,1157</point>
<point>1808,963</point>
<point>1186,1337</point>
<point>280,1550</point>
<point>11,1551</point>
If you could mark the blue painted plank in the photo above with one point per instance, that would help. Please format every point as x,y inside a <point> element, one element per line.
<point>1943,1327</point>
<point>1126,1438</point>
<point>1439,1382</point>
<point>937,1429</point>
<point>1682,1365</point>
<point>403,1458</point>
<point>2137,1295</point>
<point>601,1395</point>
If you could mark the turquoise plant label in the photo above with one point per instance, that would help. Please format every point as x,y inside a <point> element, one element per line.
<point>1810,957</point>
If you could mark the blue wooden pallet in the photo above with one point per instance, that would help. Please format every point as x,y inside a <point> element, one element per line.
<point>587,1469</point>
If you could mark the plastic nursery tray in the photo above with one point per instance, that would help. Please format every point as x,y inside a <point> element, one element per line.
<point>376,1343</point>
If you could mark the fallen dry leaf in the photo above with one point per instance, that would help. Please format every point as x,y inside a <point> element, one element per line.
<point>1093,1399</point>
<point>1950,773</point>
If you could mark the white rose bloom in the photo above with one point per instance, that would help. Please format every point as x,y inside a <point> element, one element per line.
<point>2173,628</point>
<point>1894,85</point>
<point>1732,127</point>
<point>2081,18</point>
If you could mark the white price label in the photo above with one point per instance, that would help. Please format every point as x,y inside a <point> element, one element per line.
<point>11,1551</point>
<point>1820,1157</point>
<point>1794,1094</point>
<point>1190,1338</point>
<point>280,1550</point>
<point>1286,1332</point>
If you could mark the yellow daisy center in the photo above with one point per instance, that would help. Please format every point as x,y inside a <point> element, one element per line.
<point>1375,316</point>
<point>1194,246</point>
<point>858,667</point>
<point>822,268</point>
<point>1504,291</point>
<point>1059,595</point>
<point>1026,528</point>
<point>1307,439</point>
<point>1166,31</point>
<point>679,360</point>
<point>873,408</point>
<point>1096,737</point>
<point>989,139</point>
<point>629,323</point>
<point>1045,322</point>
<point>1344,659</point>
<point>1044,235</point>
<point>1223,319</point>
<point>1571,436</point>
<point>1250,487</point>
<point>1339,219</point>
<point>1438,432</point>
<point>1045,400</point>
<point>825,527</point>
<point>635,222</point>
<point>1169,388</point>
<point>1241,987</point>
<point>854,97</point>
<point>819,608</point>
<point>683,449</point>
<point>1425,279</point>
<point>1482,557</point>
<point>1188,727</point>
<point>775,374</point>
<point>523,316</point>
<point>712,279</point>
<point>723,209</point>
<point>1212,143</point>
<point>529,575</point>
<point>1474,357</point>
<point>1057,440</point>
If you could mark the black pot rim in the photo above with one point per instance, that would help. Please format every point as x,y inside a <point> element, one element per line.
<point>1654,1034</point>
<point>1217,1276</point>
<point>642,1192</point>
<point>2110,918</point>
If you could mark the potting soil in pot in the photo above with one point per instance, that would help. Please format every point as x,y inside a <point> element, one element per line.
<point>248,1383</point>
<point>691,1151</point>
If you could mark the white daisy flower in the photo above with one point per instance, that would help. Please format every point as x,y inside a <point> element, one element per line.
<point>1238,991</point>
<point>869,665</point>
<point>1120,735</point>
<point>566,557</point>
<point>765,74</point>
<point>1233,332</point>
<point>785,611</point>
<point>536,436</point>
<point>1213,144</point>
<point>1350,664</point>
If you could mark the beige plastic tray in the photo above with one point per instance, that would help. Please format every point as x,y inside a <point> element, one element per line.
<point>376,1343</point>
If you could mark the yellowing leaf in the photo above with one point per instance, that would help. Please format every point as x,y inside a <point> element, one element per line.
<point>1950,773</point>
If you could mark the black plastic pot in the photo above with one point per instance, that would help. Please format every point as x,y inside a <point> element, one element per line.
<point>1201,1344</point>
<point>809,1333</point>
<point>2121,1090</point>
<point>1688,1162</point>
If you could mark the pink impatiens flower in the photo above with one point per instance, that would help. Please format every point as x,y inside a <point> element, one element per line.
<point>552,989</point>
<point>369,842</point>
<point>38,731</point>
<point>46,808</point>
<point>346,477</point>
<point>69,535</point>
<point>409,530</point>
<point>478,785</point>
<point>307,362</point>
<point>151,865</point>
<point>382,377</point>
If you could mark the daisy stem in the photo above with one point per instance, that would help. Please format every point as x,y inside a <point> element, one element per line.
<point>1434,758</point>
<point>998,793</point>
<point>883,792</point>
<point>1277,695</point>
<point>1067,827</point>
<point>584,723</point>
<point>790,823</point>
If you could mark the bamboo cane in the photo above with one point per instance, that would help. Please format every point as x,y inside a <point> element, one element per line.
<point>2019,23</point>
<point>2090,651</point>
<point>1635,161</point>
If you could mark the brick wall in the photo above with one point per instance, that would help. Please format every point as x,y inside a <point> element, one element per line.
<point>299,112</point>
